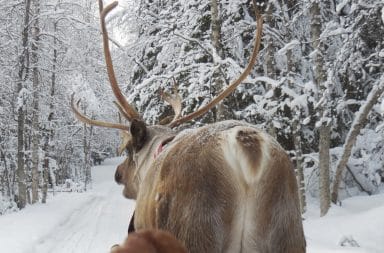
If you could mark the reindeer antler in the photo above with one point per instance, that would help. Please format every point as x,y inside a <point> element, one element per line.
<point>80,116</point>
<point>125,108</point>
<point>235,83</point>
<point>131,112</point>
<point>126,137</point>
<point>174,99</point>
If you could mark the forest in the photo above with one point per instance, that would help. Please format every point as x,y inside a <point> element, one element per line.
<point>317,86</point>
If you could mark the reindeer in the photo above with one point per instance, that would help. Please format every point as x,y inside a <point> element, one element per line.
<point>224,187</point>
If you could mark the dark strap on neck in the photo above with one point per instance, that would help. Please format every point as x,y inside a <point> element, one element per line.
<point>131,227</point>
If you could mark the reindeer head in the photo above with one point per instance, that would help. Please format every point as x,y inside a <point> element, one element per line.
<point>141,144</point>
<point>140,140</point>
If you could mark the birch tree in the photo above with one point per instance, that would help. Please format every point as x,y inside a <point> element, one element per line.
<point>323,100</point>
<point>35,102</point>
<point>22,76</point>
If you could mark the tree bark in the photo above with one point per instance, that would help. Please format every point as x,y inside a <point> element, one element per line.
<point>216,28</point>
<point>324,117</point>
<point>22,75</point>
<point>299,163</point>
<point>48,129</point>
<point>6,180</point>
<point>357,125</point>
<point>35,105</point>
<point>324,184</point>
<point>216,43</point>
<point>44,190</point>
<point>269,66</point>
<point>270,63</point>
<point>87,156</point>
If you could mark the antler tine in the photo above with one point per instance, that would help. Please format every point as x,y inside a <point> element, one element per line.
<point>80,116</point>
<point>126,137</point>
<point>121,110</point>
<point>235,83</point>
<point>129,109</point>
<point>174,99</point>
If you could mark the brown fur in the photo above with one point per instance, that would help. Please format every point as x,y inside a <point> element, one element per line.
<point>251,146</point>
<point>150,241</point>
<point>215,203</point>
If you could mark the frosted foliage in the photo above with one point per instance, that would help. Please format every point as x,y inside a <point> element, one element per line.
<point>180,49</point>
<point>7,205</point>
<point>69,60</point>
<point>366,164</point>
<point>370,147</point>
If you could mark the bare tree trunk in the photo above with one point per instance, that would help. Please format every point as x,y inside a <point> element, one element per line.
<point>216,43</point>
<point>35,105</point>
<point>5,186</point>
<point>2,184</point>
<point>269,66</point>
<point>87,156</point>
<point>44,189</point>
<point>270,63</point>
<point>324,184</point>
<point>357,125</point>
<point>324,120</point>
<point>299,162</point>
<point>216,28</point>
<point>48,131</point>
<point>6,180</point>
<point>22,75</point>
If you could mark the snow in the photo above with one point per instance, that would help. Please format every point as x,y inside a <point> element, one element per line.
<point>359,218</point>
<point>382,15</point>
<point>288,46</point>
<point>341,6</point>
<point>71,222</point>
<point>95,220</point>
<point>382,106</point>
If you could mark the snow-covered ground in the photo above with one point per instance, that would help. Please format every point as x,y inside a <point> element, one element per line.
<point>71,222</point>
<point>95,220</point>
<point>359,223</point>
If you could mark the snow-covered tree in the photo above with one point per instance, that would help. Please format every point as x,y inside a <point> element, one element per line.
<point>315,71</point>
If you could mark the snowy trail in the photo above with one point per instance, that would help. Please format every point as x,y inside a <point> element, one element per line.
<point>72,222</point>
<point>93,221</point>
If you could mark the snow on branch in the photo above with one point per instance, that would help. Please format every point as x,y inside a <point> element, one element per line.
<point>288,46</point>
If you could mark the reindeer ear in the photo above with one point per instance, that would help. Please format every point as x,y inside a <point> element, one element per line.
<point>138,131</point>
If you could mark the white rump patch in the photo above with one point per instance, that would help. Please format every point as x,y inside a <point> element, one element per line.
<point>236,158</point>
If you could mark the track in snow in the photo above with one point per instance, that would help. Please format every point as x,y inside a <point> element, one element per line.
<point>92,227</point>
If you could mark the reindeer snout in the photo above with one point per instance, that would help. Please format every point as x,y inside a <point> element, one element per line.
<point>118,176</point>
